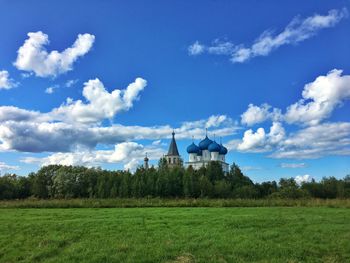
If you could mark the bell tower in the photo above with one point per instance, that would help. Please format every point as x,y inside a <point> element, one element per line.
<point>173,157</point>
<point>145,162</point>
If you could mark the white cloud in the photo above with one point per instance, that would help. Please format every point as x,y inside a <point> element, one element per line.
<point>316,141</point>
<point>253,141</point>
<point>71,83</point>
<point>221,126</point>
<point>195,49</point>
<point>260,141</point>
<point>5,81</point>
<point>215,120</point>
<point>293,165</point>
<point>11,113</point>
<point>158,143</point>
<point>327,139</point>
<point>31,132</point>
<point>101,104</point>
<point>51,89</point>
<point>5,167</point>
<point>296,31</point>
<point>276,134</point>
<point>320,98</point>
<point>257,114</point>
<point>130,154</point>
<point>28,136</point>
<point>33,57</point>
<point>299,179</point>
<point>220,47</point>
<point>217,47</point>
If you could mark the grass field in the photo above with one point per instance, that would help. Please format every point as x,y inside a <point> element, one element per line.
<point>276,234</point>
<point>161,202</point>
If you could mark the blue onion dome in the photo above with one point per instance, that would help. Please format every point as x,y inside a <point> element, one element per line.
<point>200,153</point>
<point>223,150</point>
<point>214,147</point>
<point>192,148</point>
<point>204,144</point>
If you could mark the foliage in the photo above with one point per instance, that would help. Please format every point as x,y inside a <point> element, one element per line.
<point>67,182</point>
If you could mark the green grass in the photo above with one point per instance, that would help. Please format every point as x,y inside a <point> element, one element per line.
<point>275,234</point>
<point>161,202</point>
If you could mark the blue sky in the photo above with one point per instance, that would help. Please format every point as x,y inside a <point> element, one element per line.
<point>99,83</point>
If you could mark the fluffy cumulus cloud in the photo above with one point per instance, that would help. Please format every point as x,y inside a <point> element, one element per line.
<point>320,98</point>
<point>130,154</point>
<point>14,114</point>
<point>34,133</point>
<point>5,81</point>
<point>33,56</point>
<point>320,140</point>
<point>73,130</point>
<point>314,138</point>
<point>219,125</point>
<point>257,114</point>
<point>317,141</point>
<point>299,179</point>
<point>259,141</point>
<point>28,136</point>
<point>73,124</point>
<point>253,141</point>
<point>296,31</point>
<point>101,104</point>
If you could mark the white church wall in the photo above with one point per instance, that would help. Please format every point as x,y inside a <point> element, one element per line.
<point>214,156</point>
<point>206,155</point>
<point>193,157</point>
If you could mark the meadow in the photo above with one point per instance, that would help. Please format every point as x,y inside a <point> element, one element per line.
<point>172,202</point>
<point>175,234</point>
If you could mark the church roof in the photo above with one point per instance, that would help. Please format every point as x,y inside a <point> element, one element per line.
<point>173,147</point>
<point>214,147</point>
<point>192,148</point>
<point>203,145</point>
<point>223,149</point>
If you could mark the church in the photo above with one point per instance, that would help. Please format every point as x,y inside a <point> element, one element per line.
<point>199,156</point>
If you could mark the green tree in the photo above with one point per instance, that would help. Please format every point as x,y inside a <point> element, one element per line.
<point>222,189</point>
<point>206,187</point>
<point>187,182</point>
<point>214,171</point>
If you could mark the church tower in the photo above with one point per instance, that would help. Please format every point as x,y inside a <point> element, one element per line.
<point>173,157</point>
<point>145,162</point>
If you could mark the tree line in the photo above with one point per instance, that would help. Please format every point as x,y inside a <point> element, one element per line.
<point>58,181</point>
